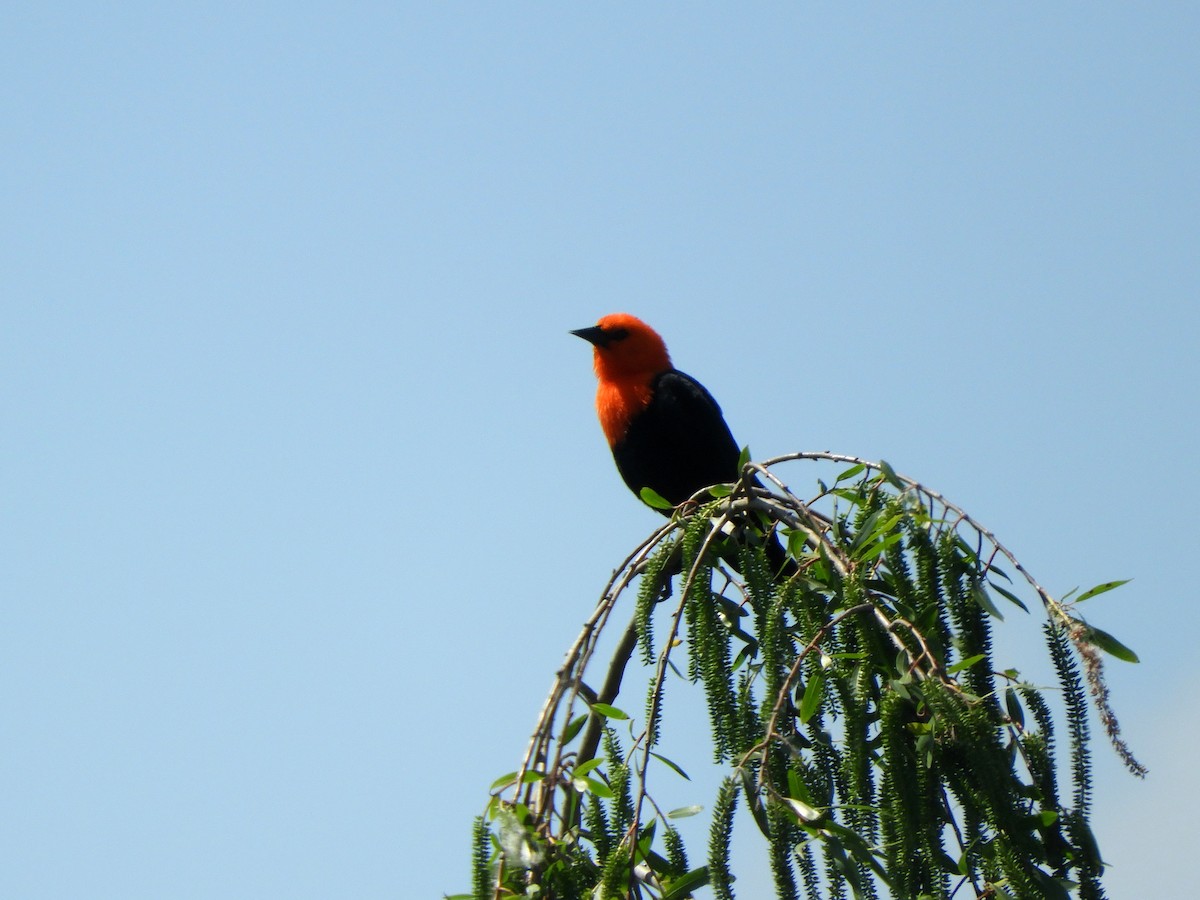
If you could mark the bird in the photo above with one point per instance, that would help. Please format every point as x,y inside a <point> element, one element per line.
<point>665,430</point>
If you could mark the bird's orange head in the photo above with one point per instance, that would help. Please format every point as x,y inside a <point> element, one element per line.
<point>625,348</point>
<point>628,354</point>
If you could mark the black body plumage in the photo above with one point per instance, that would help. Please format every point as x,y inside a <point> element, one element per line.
<point>679,443</point>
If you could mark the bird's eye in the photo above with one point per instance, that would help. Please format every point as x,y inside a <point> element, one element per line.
<point>616,334</point>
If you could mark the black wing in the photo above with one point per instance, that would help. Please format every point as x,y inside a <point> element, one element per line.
<point>679,443</point>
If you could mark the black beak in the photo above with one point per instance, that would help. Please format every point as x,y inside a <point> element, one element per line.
<point>595,335</point>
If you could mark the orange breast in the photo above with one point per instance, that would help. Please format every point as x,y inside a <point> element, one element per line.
<point>617,402</point>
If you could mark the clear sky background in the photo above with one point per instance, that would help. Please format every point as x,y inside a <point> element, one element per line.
<point>303,495</point>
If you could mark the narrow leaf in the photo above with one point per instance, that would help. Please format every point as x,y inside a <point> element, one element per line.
<point>671,765</point>
<point>1015,712</point>
<point>812,697</point>
<point>685,811</point>
<point>503,781</point>
<point>592,785</point>
<point>803,811</point>
<point>744,655</point>
<point>609,712</point>
<point>890,474</point>
<point>866,532</point>
<point>585,767</point>
<point>685,885</point>
<point>573,728</point>
<point>879,546</point>
<point>653,498</point>
<point>1008,595</point>
<point>797,540</point>
<point>849,473</point>
<point>1110,644</point>
<point>848,495</point>
<point>1100,589</point>
<point>979,592</point>
<point>965,663</point>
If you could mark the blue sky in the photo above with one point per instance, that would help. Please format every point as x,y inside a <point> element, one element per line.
<point>303,493</point>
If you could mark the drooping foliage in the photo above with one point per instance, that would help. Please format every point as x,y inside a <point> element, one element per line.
<point>865,727</point>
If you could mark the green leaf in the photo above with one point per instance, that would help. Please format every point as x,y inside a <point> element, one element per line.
<point>744,655</point>
<point>979,592</point>
<point>968,552</point>
<point>593,786</point>
<point>1009,595</point>
<point>965,663</point>
<point>866,532</point>
<point>1109,644</point>
<point>890,475</point>
<point>1015,712</point>
<point>1050,888</point>
<point>878,547</point>
<point>573,728</point>
<point>685,811</point>
<point>503,781</point>
<point>721,490</point>
<point>743,458</point>
<point>964,865</point>
<point>585,767</point>
<point>848,495</point>
<point>802,810</point>
<point>646,837</point>
<point>1100,589</point>
<point>685,885</point>
<point>671,765</point>
<point>609,712</point>
<point>887,525</point>
<point>849,473</point>
<point>924,747</point>
<point>797,540</point>
<point>653,498</point>
<point>853,842</point>
<point>796,786</point>
<point>812,697</point>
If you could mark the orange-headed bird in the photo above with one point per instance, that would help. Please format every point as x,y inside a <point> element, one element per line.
<point>665,429</point>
